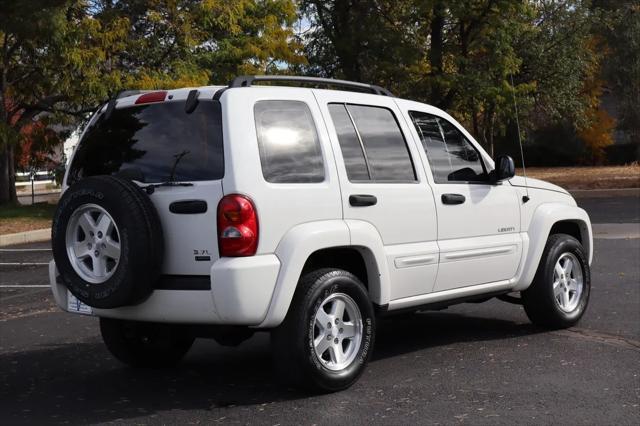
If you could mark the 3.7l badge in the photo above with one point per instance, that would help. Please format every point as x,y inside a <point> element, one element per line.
<point>202,255</point>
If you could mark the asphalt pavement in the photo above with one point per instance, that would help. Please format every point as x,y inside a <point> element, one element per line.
<point>469,364</point>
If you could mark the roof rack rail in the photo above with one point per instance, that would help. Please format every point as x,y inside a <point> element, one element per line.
<point>247,81</point>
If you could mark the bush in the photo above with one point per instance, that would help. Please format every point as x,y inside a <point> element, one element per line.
<point>623,153</point>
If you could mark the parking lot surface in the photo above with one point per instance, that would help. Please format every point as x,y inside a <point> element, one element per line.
<point>468,364</point>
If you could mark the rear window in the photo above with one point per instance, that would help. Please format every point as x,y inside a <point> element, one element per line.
<point>154,143</point>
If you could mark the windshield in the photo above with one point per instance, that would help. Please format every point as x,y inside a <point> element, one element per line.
<point>154,143</point>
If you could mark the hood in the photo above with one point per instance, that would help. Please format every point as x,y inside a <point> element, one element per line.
<point>537,184</point>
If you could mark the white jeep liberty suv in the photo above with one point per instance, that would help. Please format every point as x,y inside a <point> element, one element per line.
<point>221,211</point>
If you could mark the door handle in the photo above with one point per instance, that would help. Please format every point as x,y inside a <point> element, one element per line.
<point>362,200</point>
<point>188,207</point>
<point>452,198</point>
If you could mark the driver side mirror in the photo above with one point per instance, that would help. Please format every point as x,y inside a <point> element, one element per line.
<point>505,168</point>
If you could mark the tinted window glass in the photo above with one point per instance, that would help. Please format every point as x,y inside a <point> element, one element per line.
<point>154,143</point>
<point>349,143</point>
<point>384,145</point>
<point>288,142</point>
<point>451,156</point>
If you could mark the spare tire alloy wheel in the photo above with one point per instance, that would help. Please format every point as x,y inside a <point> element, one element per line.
<point>107,242</point>
<point>93,243</point>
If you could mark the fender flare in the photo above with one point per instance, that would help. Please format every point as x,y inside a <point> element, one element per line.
<point>544,217</point>
<point>367,240</point>
<point>303,240</point>
<point>293,250</point>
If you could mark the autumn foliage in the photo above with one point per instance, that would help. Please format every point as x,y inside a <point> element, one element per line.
<point>63,58</point>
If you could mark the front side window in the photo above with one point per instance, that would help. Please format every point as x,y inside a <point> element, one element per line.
<point>288,142</point>
<point>372,144</point>
<point>451,156</point>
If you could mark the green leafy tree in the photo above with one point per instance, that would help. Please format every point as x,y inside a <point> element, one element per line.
<point>620,30</point>
<point>461,55</point>
<point>63,58</point>
<point>44,61</point>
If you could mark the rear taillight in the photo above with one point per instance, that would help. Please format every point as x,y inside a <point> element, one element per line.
<point>237,226</point>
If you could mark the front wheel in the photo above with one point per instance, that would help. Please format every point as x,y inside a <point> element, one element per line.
<point>327,337</point>
<point>144,344</point>
<point>559,294</point>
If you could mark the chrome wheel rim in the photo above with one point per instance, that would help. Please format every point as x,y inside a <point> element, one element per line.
<point>568,282</point>
<point>337,331</point>
<point>93,243</point>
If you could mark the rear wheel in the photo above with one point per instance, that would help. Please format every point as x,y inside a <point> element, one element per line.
<point>327,337</point>
<point>144,344</point>
<point>559,294</point>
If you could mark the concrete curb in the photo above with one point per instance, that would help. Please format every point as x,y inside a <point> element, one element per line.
<point>616,231</point>
<point>25,237</point>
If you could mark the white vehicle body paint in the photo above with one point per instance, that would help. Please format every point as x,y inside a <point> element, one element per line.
<point>415,248</point>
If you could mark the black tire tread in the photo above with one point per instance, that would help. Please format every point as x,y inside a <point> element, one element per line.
<point>153,226</point>
<point>148,261</point>
<point>286,366</point>
<point>289,347</point>
<point>538,305</point>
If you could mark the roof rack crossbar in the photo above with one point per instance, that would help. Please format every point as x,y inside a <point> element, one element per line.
<point>247,81</point>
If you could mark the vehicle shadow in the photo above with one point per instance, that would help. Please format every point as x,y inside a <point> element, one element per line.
<point>399,335</point>
<point>82,383</point>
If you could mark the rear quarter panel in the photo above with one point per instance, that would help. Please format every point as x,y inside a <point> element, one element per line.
<point>280,206</point>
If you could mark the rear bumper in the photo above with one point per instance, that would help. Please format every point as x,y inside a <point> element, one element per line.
<point>240,294</point>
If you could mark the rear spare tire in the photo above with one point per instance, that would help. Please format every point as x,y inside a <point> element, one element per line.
<point>107,242</point>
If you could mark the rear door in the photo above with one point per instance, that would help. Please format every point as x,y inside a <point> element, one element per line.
<point>160,142</point>
<point>382,186</point>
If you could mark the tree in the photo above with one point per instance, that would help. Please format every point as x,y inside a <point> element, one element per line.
<point>52,52</point>
<point>620,29</point>
<point>37,147</point>
<point>63,58</point>
<point>191,42</point>
<point>461,55</point>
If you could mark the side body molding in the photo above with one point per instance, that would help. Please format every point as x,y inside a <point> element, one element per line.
<point>544,217</point>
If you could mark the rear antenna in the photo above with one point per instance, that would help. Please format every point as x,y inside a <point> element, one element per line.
<point>525,198</point>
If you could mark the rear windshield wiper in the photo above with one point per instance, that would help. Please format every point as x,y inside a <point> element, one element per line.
<point>172,176</point>
<point>150,189</point>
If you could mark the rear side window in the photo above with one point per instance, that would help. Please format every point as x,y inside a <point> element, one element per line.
<point>288,142</point>
<point>154,143</point>
<point>451,156</point>
<point>372,144</point>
